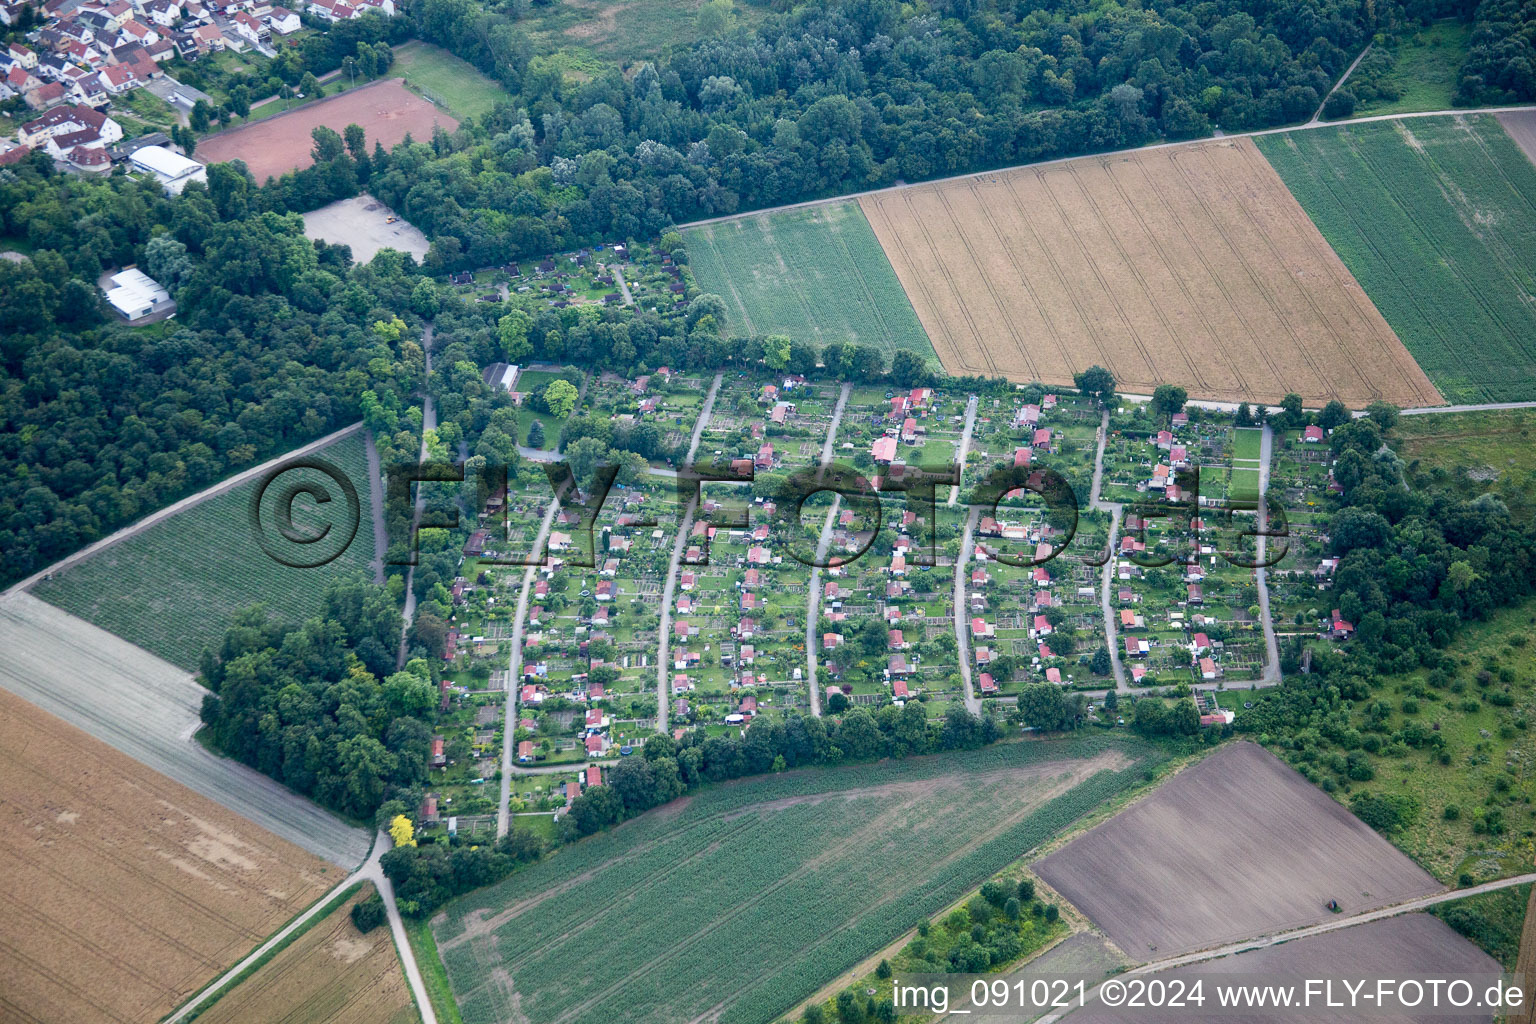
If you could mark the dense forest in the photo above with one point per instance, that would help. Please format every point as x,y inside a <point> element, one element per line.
<point>100,423</point>
<point>837,97</point>
<point>1501,67</point>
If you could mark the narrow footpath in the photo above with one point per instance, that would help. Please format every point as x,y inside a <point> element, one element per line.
<point>823,545</point>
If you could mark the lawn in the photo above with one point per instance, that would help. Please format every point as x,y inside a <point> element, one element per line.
<point>1467,453</point>
<point>816,274</point>
<point>586,34</point>
<point>665,917</point>
<point>1424,71</point>
<point>1434,218</point>
<point>446,80</point>
<point>174,588</point>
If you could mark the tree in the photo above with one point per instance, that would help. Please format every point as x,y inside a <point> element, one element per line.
<point>837,703</point>
<point>309,85</point>
<point>402,831</point>
<point>536,434</point>
<point>1096,382</point>
<point>513,330</point>
<point>908,369</point>
<point>776,348</point>
<point>167,261</point>
<point>715,18</point>
<point>1333,415</point>
<point>200,116</point>
<point>368,914</point>
<point>1168,399</point>
<point>1383,414</point>
<point>1340,105</point>
<point>883,969</point>
<point>1101,665</point>
<point>561,396</point>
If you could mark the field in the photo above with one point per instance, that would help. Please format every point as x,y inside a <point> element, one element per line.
<point>1435,217</point>
<point>1425,72</point>
<point>386,111</point>
<point>1237,845</point>
<point>148,709</point>
<point>174,588</point>
<point>363,223</point>
<point>1185,265</point>
<point>1521,126</point>
<point>124,891</point>
<point>738,903</point>
<point>1466,453</point>
<point>456,84</point>
<point>816,274</point>
<point>1409,946</point>
<point>332,974</point>
<point>1247,452</point>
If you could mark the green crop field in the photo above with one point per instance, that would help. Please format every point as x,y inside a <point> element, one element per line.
<point>442,77</point>
<point>739,903</point>
<point>1436,218</point>
<point>816,274</point>
<point>173,588</point>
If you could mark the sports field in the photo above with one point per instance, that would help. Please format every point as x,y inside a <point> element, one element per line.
<point>816,274</point>
<point>1436,218</point>
<point>174,588</point>
<point>124,892</point>
<point>455,83</point>
<point>386,111</point>
<point>1185,265</point>
<point>742,901</point>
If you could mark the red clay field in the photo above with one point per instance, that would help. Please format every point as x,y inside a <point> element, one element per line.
<point>1236,846</point>
<point>1188,265</point>
<point>386,111</point>
<point>124,892</point>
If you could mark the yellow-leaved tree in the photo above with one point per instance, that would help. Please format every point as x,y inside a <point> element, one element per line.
<point>402,831</point>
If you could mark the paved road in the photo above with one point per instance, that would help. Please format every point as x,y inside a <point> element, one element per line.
<point>515,668</point>
<point>823,545</point>
<point>1103,156</point>
<point>685,525</point>
<point>428,422</point>
<point>962,620</point>
<point>222,486</point>
<point>1349,921</point>
<point>1271,673</point>
<point>1489,407</point>
<point>1107,577</point>
<point>618,277</point>
<point>149,709</point>
<point>965,448</point>
<point>370,871</point>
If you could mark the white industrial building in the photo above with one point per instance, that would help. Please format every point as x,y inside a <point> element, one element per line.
<point>171,169</point>
<point>135,294</point>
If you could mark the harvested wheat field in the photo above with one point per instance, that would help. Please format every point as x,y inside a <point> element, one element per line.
<point>386,111</point>
<point>1185,265</point>
<point>1236,846</point>
<point>332,974</point>
<point>124,892</point>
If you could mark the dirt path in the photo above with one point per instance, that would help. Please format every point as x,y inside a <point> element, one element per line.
<point>965,450</point>
<point>428,422</point>
<point>515,674</point>
<point>1107,580</point>
<point>823,545</point>
<point>1271,673</point>
<point>369,872</point>
<point>1263,941</point>
<point>962,621</point>
<point>669,588</point>
<point>1318,115</point>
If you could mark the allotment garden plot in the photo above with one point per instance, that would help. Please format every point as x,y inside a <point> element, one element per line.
<point>816,274</point>
<point>1436,218</point>
<point>125,892</point>
<point>664,918</point>
<point>174,588</point>
<point>1188,265</point>
<point>1237,845</point>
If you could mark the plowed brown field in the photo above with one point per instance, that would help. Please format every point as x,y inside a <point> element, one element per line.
<point>124,892</point>
<point>332,974</point>
<point>1187,265</point>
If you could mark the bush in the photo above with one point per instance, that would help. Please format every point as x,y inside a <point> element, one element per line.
<point>368,914</point>
<point>1452,812</point>
<point>1340,105</point>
